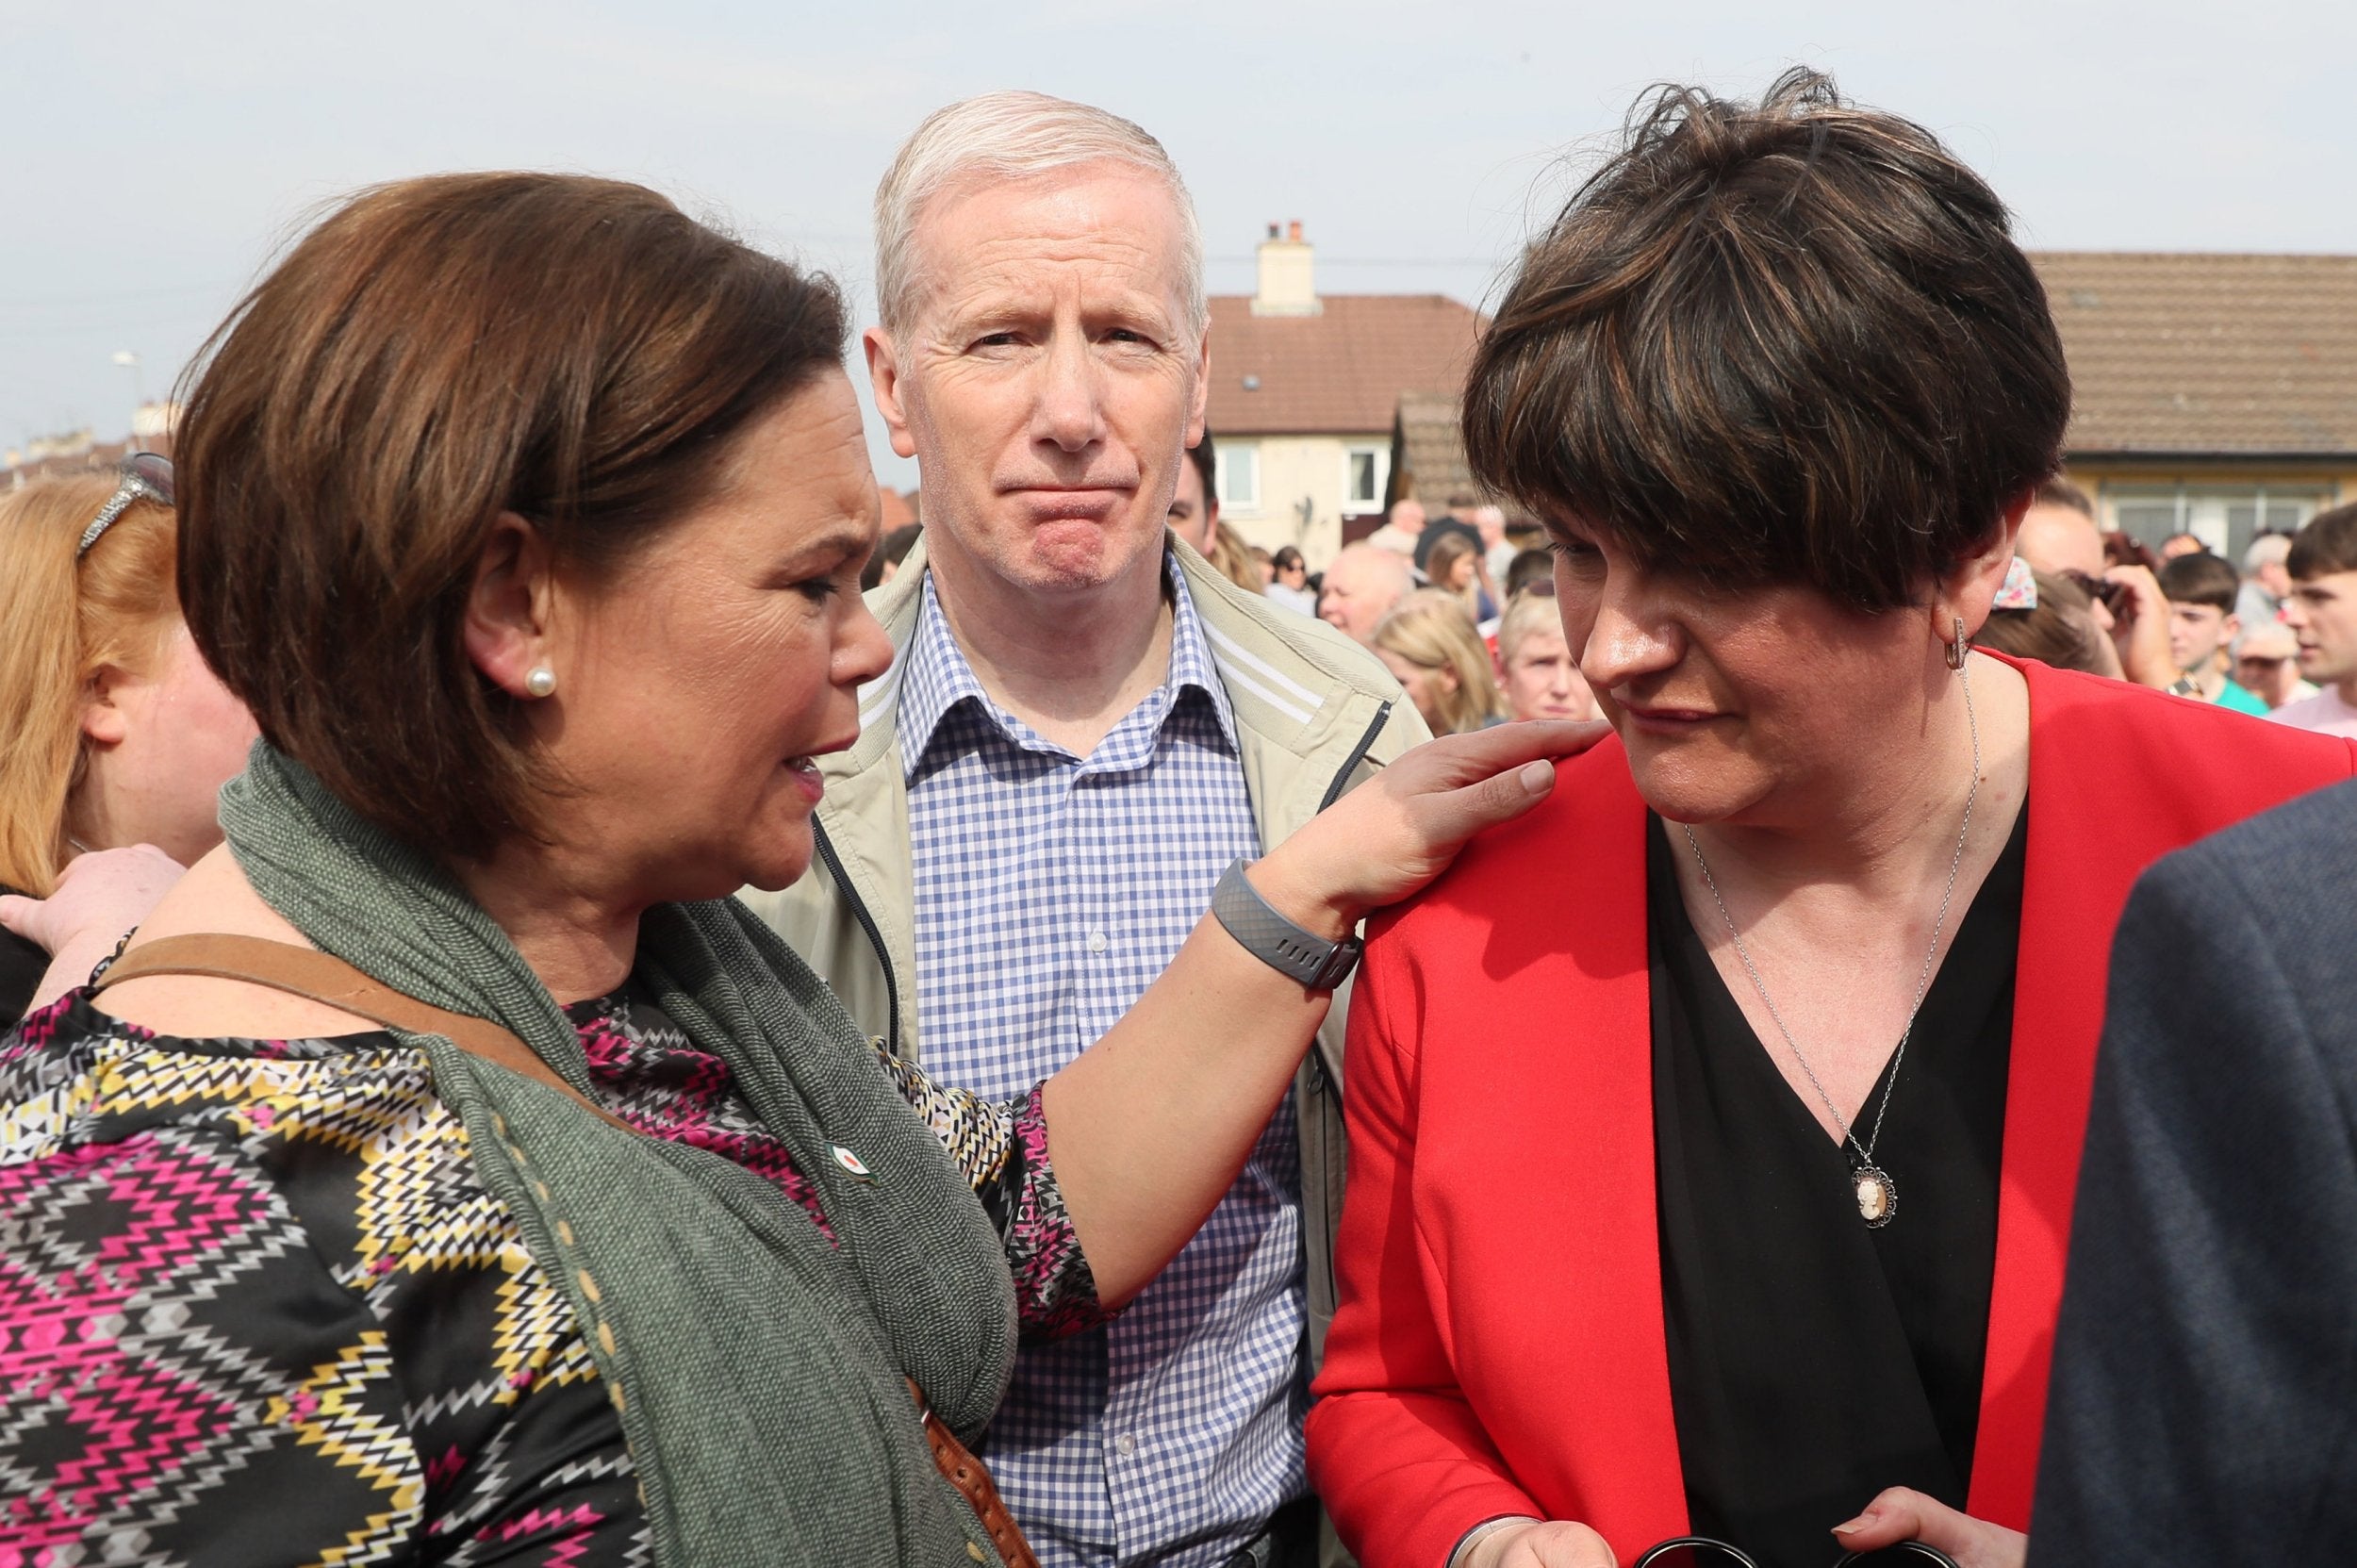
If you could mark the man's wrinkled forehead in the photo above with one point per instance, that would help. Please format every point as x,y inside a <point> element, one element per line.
<point>1113,227</point>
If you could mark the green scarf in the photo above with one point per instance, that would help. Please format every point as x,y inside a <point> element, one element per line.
<point>757,1369</point>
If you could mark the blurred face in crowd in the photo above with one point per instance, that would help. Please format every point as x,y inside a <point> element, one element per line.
<point>1428,686</point>
<point>2197,633</point>
<point>2322,613</point>
<point>1542,680</point>
<point>1193,516</point>
<point>2266,662</point>
<point>699,683</point>
<point>1749,707</point>
<point>1049,378</point>
<point>2061,539</point>
<point>1293,573</point>
<point>1361,588</point>
<point>158,744</point>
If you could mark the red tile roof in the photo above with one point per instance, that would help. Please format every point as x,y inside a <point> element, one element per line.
<point>2207,354</point>
<point>2178,354</point>
<point>1338,373</point>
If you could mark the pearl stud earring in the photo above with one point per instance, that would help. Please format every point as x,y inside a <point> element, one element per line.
<point>542,681</point>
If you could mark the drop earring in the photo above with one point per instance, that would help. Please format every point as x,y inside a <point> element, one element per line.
<point>542,680</point>
<point>1956,649</point>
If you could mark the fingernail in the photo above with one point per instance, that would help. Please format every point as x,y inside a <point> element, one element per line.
<point>1538,777</point>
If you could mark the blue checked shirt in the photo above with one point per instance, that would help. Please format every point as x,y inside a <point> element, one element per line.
<point>1050,891</point>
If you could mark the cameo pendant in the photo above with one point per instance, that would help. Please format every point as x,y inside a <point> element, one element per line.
<point>1877,1196</point>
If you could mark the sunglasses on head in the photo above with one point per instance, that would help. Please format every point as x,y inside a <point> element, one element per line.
<point>146,476</point>
<point>1696,1551</point>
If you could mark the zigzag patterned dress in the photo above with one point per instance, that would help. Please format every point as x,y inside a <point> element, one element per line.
<point>256,1308</point>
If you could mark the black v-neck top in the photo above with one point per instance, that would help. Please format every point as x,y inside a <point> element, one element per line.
<point>1814,1362</point>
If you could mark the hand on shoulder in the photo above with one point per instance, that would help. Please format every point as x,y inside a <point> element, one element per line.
<point>1392,835</point>
<point>99,896</point>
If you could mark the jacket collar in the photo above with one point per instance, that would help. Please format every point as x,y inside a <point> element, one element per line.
<point>1288,680</point>
<point>2118,777</point>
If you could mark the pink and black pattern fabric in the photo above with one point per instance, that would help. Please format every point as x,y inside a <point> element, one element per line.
<point>256,1306</point>
<point>1002,1149</point>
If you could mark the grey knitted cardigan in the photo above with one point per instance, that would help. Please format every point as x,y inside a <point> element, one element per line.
<point>757,1369</point>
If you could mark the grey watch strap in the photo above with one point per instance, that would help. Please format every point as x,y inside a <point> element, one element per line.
<point>1316,963</point>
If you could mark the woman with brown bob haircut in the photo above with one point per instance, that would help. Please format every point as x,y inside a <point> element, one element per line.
<point>449,1165</point>
<point>1714,1127</point>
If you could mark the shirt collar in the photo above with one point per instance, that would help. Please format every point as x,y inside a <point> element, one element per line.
<point>939,680</point>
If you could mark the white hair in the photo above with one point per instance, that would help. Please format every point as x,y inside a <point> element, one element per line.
<point>2267,550</point>
<point>2267,632</point>
<point>1013,136</point>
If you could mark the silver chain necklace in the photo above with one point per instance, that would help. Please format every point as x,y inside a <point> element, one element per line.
<point>1877,1194</point>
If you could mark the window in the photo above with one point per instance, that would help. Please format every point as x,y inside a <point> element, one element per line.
<point>1366,470</point>
<point>2226,517</point>
<point>1236,472</point>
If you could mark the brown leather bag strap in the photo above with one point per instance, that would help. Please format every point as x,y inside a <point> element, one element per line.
<point>332,982</point>
<point>971,1477</point>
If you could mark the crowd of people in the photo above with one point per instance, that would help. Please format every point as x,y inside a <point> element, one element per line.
<point>570,1003</point>
<point>2266,640</point>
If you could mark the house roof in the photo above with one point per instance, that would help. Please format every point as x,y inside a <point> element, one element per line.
<point>2178,354</point>
<point>1431,449</point>
<point>1338,373</point>
<point>2207,354</point>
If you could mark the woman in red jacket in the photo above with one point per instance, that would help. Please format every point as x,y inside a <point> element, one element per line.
<point>1714,1127</point>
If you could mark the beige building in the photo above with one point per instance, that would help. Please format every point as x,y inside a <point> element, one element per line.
<point>1305,388</point>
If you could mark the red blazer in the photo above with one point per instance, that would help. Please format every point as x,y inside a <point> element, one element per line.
<point>1499,1347</point>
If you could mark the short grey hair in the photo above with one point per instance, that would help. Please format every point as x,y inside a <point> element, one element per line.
<point>2266,631</point>
<point>2267,550</point>
<point>1013,136</point>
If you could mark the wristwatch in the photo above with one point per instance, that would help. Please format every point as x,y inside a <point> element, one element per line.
<point>1316,963</point>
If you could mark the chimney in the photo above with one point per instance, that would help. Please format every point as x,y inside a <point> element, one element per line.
<point>1287,274</point>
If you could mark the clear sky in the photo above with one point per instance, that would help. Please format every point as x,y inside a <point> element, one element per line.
<point>160,154</point>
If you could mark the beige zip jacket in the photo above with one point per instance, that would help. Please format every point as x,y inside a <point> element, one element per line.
<point>1315,715</point>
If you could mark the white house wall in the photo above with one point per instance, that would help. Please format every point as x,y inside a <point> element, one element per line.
<point>1294,471</point>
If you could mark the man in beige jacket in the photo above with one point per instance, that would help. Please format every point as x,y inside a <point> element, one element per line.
<point>1083,725</point>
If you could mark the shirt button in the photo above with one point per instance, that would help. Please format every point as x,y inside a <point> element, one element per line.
<point>1126,1444</point>
<point>1099,942</point>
